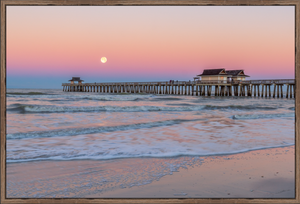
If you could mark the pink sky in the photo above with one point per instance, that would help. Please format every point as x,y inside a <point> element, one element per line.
<point>148,43</point>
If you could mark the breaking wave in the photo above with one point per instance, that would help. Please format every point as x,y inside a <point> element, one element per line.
<point>261,116</point>
<point>104,151</point>
<point>96,97</point>
<point>57,109</point>
<point>240,107</point>
<point>29,93</point>
<point>93,130</point>
<point>22,108</point>
<point>166,99</point>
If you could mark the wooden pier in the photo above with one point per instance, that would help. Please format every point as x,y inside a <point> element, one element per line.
<point>256,88</point>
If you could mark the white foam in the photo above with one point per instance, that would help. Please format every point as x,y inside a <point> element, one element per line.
<point>85,96</point>
<point>262,116</point>
<point>53,109</point>
<point>184,139</point>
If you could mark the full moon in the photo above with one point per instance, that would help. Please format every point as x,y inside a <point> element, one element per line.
<point>103,59</point>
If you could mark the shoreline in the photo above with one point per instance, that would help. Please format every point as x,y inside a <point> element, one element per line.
<point>265,173</point>
<point>148,157</point>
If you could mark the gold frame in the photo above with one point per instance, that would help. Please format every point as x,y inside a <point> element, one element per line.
<point>5,3</point>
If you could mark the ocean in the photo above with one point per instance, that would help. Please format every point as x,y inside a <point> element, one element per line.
<point>165,132</point>
<point>55,125</point>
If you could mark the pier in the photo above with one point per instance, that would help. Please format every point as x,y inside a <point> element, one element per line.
<point>256,88</point>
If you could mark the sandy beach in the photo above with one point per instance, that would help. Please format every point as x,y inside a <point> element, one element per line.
<point>267,173</point>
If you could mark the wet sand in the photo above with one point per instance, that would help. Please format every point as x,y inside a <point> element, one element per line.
<point>268,173</point>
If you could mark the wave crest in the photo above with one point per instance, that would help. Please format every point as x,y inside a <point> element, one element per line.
<point>22,108</point>
<point>261,116</point>
<point>93,130</point>
<point>56,109</point>
<point>240,107</point>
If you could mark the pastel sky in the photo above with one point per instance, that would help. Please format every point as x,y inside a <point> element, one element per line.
<point>47,45</point>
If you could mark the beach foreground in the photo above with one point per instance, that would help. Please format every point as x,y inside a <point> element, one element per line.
<point>267,173</point>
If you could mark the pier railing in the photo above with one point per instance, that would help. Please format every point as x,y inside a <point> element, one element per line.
<point>270,81</point>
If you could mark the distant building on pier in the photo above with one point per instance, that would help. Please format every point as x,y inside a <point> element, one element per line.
<point>76,79</point>
<point>221,75</point>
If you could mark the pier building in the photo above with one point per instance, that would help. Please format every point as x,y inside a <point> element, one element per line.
<point>76,79</point>
<point>214,75</point>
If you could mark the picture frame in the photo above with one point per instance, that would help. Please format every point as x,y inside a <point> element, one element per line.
<point>5,3</point>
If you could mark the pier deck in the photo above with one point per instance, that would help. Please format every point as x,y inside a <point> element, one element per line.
<point>260,88</point>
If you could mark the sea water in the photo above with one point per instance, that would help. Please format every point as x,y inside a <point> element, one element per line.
<point>55,125</point>
<point>168,133</point>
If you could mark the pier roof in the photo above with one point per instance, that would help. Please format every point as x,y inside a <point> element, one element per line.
<point>215,72</point>
<point>239,72</point>
<point>76,79</point>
